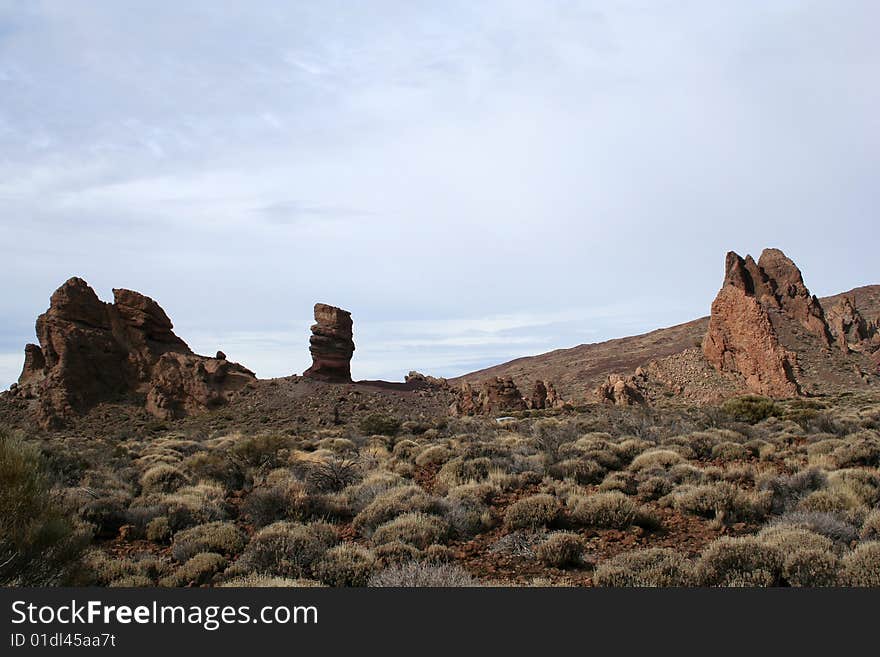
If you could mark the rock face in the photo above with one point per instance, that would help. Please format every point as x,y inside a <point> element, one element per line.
<point>492,396</point>
<point>849,328</point>
<point>91,351</point>
<point>331,345</point>
<point>762,317</point>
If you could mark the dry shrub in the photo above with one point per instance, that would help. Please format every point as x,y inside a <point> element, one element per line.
<point>216,466</point>
<point>831,525</point>
<point>196,571</point>
<point>417,529</point>
<point>610,510</point>
<point>432,456</point>
<point>871,526</point>
<point>421,574</point>
<point>163,478</point>
<point>654,567</point>
<point>358,496</point>
<point>861,567</point>
<point>789,539</point>
<point>393,503</point>
<point>287,549</point>
<point>532,512</point>
<point>395,552</point>
<point>347,564</point>
<point>810,568</point>
<point>561,550</point>
<point>581,470</point>
<point>730,452</point>
<point>222,537</point>
<point>158,530</point>
<point>742,561</point>
<point>656,458</point>
<point>268,581</point>
<point>624,482</point>
<point>654,488</point>
<point>195,505</point>
<point>722,501</point>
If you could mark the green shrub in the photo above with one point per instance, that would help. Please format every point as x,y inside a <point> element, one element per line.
<point>379,424</point>
<point>417,529</point>
<point>611,510</point>
<point>222,537</point>
<point>41,544</point>
<point>532,512</point>
<point>561,550</point>
<point>750,408</point>
<point>654,567</point>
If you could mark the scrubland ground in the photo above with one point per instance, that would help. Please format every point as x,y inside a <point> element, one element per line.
<point>751,493</point>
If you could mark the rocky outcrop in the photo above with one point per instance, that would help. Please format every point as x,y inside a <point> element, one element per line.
<point>544,396</point>
<point>492,396</point>
<point>91,351</point>
<point>762,317</point>
<point>622,390</point>
<point>331,345</point>
<point>848,326</point>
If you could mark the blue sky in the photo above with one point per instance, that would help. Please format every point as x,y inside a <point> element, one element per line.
<point>474,181</point>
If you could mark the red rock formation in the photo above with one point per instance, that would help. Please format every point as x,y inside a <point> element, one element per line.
<point>331,345</point>
<point>91,351</point>
<point>756,301</point>
<point>496,395</point>
<point>848,326</point>
<point>622,390</point>
<point>544,396</point>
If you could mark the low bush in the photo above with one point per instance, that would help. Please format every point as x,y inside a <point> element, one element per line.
<point>532,512</point>
<point>347,564</point>
<point>861,567</point>
<point>221,537</point>
<point>196,571</point>
<point>561,550</point>
<point>654,567</point>
<point>379,424</point>
<point>741,561</point>
<point>288,549</point>
<point>610,510</point>
<point>417,529</point>
<point>421,574</point>
<point>750,409</point>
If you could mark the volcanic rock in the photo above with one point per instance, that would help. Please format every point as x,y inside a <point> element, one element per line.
<point>761,319</point>
<point>91,351</point>
<point>622,390</point>
<point>331,345</point>
<point>544,396</point>
<point>848,326</point>
<point>496,395</point>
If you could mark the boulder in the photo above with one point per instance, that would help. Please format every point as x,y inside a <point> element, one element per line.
<point>492,396</point>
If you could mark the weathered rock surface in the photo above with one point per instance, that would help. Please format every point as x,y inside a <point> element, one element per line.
<point>849,328</point>
<point>496,395</point>
<point>544,396</point>
<point>761,319</point>
<point>331,345</point>
<point>91,351</point>
<point>622,390</point>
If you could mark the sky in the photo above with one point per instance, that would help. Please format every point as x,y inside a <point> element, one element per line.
<point>474,181</point>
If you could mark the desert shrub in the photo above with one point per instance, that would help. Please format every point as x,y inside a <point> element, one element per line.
<point>824,523</point>
<point>347,564</point>
<point>395,552</point>
<point>532,512</point>
<point>810,568</point>
<point>466,514</point>
<point>333,475</point>
<point>730,452</point>
<point>790,539</point>
<point>268,581</point>
<point>837,501</point>
<point>215,466</point>
<point>105,514</point>
<point>861,567</point>
<point>131,582</point>
<point>654,488</point>
<point>433,455</point>
<point>862,449</point>
<point>437,553</point>
<point>358,496</point>
<point>611,510</point>
<point>261,451</point>
<point>377,423</point>
<point>40,542</point>
<point>420,574</point>
<point>158,530</point>
<point>788,490</point>
<point>859,483</point>
<point>871,526</point>
<point>742,561</point>
<point>581,470</point>
<point>520,543</point>
<point>623,482</point>
<point>722,501</point>
<point>417,529</point>
<point>197,570</point>
<point>656,458</point>
<point>750,409</point>
<point>287,549</point>
<point>561,550</point>
<point>461,470</point>
<point>163,478</point>
<point>394,502</point>
<point>655,567</point>
<point>195,505</point>
<point>220,537</point>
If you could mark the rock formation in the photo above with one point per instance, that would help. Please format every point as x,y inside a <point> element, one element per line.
<point>91,351</point>
<point>496,395</point>
<point>762,317</point>
<point>544,396</point>
<point>848,326</point>
<point>331,345</point>
<point>622,390</point>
